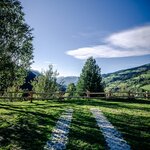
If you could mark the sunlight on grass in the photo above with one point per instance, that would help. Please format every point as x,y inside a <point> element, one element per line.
<point>25,125</point>
<point>29,124</point>
<point>84,133</point>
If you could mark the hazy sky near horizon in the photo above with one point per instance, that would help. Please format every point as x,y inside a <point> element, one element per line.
<point>67,32</point>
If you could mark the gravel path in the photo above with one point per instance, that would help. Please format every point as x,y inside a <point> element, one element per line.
<point>113,137</point>
<point>59,135</point>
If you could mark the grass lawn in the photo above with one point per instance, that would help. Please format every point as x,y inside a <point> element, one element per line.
<point>27,126</point>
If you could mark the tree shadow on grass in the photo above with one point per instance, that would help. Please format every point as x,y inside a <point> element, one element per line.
<point>25,134</point>
<point>133,126</point>
<point>28,131</point>
<point>131,100</point>
<point>84,133</point>
<point>97,101</point>
<point>136,132</point>
<point>110,104</point>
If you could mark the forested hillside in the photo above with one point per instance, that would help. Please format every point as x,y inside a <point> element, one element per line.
<point>136,79</point>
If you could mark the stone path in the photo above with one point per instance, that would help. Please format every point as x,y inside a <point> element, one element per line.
<point>59,135</point>
<point>113,137</point>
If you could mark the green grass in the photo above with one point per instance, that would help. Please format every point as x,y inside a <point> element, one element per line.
<point>146,87</point>
<point>84,133</point>
<point>27,126</point>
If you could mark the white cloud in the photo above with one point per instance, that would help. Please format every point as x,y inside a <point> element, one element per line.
<point>134,38</point>
<point>135,42</point>
<point>104,51</point>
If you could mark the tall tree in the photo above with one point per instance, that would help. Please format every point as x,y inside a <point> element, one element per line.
<point>46,82</point>
<point>71,89</point>
<point>15,44</point>
<point>90,78</point>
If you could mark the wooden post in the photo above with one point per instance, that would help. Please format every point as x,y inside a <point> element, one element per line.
<point>11,95</point>
<point>129,94</point>
<point>146,94</point>
<point>31,96</point>
<point>87,93</point>
<point>107,95</point>
<point>110,94</point>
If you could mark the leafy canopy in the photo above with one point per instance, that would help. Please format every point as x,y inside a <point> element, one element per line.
<point>46,82</point>
<point>71,88</point>
<point>15,44</point>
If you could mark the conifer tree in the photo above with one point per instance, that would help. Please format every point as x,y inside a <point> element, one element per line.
<point>90,78</point>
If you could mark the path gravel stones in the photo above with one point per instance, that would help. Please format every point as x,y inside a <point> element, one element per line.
<point>59,135</point>
<point>113,137</point>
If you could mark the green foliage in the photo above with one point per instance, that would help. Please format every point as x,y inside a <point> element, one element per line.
<point>90,78</point>
<point>46,82</point>
<point>146,87</point>
<point>135,79</point>
<point>15,44</point>
<point>39,83</point>
<point>71,89</point>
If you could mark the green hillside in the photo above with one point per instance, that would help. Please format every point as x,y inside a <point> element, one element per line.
<point>135,79</point>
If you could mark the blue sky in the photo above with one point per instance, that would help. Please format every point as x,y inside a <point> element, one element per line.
<point>66,32</point>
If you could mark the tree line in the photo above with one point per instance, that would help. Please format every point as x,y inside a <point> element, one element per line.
<point>16,57</point>
<point>89,81</point>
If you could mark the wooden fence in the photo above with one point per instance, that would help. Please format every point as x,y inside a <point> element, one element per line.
<point>31,95</point>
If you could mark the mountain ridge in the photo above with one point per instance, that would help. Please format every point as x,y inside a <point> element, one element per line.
<point>132,68</point>
<point>136,78</point>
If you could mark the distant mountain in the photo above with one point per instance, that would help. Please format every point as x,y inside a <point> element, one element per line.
<point>67,80</point>
<point>31,75</point>
<point>37,73</point>
<point>136,79</point>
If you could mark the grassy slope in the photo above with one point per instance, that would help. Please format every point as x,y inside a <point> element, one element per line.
<point>28,126</point>
<point>134,78</point>
<point>137,78</point>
